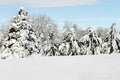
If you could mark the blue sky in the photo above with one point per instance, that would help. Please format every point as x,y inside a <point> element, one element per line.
<point>94,13</point>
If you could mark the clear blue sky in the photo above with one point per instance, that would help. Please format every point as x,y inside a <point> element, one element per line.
<point>95,13</point>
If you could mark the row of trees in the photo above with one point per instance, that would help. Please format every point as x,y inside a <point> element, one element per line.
<point>30,35</point>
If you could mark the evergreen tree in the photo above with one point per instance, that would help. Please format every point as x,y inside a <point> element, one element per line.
<point>113,40</point>
<point>90,42</point>
<point>71,39</point>
<point>21,39</point>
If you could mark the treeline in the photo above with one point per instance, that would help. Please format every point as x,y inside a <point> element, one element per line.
<point>28,35</point>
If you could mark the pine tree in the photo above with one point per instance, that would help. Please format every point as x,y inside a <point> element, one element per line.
<point>72,40</point>
<point>90,42</point>
<point>21,39</point>
<point>113,40</point>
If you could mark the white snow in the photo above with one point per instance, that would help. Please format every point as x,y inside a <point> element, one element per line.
<point>89,67</point>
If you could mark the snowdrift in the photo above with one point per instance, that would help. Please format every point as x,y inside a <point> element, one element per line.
<point>90,67</point>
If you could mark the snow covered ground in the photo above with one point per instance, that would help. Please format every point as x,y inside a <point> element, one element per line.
<point>89,67</point>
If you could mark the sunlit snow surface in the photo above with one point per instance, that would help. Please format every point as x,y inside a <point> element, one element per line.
<point>89,67</point>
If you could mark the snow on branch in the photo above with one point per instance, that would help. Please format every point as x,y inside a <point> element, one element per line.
<point>41,36</point>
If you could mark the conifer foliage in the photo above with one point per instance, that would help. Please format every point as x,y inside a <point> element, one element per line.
<point>21,40</point>
<point>25,37</point>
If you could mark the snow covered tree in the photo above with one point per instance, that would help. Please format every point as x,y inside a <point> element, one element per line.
<point>71,42</point>
<point>113,41</point>
<point>53,40</point>
<point>21,39</point>
<point>46,31</point>
<point>41,23</point>
<point>3,32</point>
<point>102,32</point>
<point>90,42</point>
